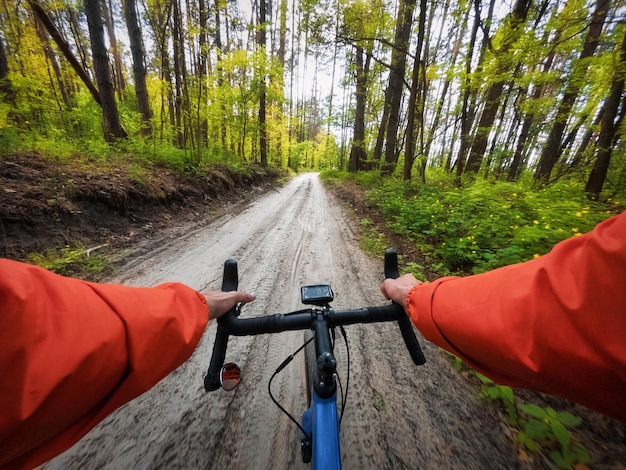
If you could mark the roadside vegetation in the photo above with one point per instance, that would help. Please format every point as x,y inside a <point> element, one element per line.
<point>482,225</point>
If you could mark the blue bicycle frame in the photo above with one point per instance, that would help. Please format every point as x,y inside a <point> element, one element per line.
<point>322,420</point>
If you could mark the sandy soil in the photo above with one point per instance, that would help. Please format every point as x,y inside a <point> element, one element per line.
<point>397,416</point>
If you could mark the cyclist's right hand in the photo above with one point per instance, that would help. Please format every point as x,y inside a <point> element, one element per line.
<point>220,302</point>
<point>398,289</point>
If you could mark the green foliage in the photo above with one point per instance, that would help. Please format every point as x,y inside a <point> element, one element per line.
<point>70,260</point>
<point>548,428</point>
<point>493,391</point>
<point>372,241</point>
<point>538,428</point>
<point>485,225</point>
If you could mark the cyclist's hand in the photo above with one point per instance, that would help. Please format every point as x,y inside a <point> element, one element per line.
<point>220,302</point>
<point>398,289</point>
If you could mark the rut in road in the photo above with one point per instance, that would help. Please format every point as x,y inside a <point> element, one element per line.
<point>397,415</point>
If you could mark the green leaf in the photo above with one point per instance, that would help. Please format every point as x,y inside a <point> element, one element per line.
<point>527,441</point>
<point>581,454</point>
<point>533,410</point>
<point>506,393</point>
<point>551,413</point>
<point>561,433</point>
<point>568,419</point>
<point>483,379</point>
<point>559,459</point>
<point>536,429</point>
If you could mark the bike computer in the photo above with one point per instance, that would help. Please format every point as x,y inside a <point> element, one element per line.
<point>320,295</point>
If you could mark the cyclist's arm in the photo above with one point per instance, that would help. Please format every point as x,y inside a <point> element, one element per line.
<point>71,352</point>
<point>555,324</point>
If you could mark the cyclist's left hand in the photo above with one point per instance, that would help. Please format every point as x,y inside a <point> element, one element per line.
<point>220,302</point>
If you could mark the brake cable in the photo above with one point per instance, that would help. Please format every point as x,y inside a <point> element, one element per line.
<point>344,399</point>
<point>280,368</point>
<point>343,394</point>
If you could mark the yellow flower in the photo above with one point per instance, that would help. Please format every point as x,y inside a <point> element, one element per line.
<point>460,239</point>
<point>536,222</point>
<point>577,234</point>
<point>514,194</point>
<point>547,227</point>
<point>535,255</point>
<point>579,214</point>
<point>575,229</point>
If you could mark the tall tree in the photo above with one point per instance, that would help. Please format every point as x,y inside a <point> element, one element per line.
<point>552,149</point>
<point>609,130</point>
<point>531,114</point>
<point>118,76</point>
<point>262,41</point>
<point>358,152</point>
<point>393,93</point>
<point>466,116</point>
<point>417,86</point>
<point>181,101</point>
<point>511,31</point>
<point>65,48</point>
<point>112,126</point>
<point>139,68</point>
<point>7,93</point>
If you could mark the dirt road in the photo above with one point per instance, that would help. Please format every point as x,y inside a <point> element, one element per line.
<point>397,416</point>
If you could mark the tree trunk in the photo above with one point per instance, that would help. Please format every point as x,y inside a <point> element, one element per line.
<point>608,129</point>
<point>112,127</point>
<point>263,93</point>
<point>219,71</point>
<point>580,154</point>
<point>118,78</point>
<point>494,92</point>
<point>179,76</point>
<point>358,153</point>
<point>416,84</point>
<point>52,59</point>
<point>42,15</point>
<point>444,91</point>
<point>7,93</point>
<point>139,69</point>
<point>551,151</point>
<point>393,94</point>
<point>466,116</point>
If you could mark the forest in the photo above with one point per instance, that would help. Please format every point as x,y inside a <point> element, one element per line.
<point>496,89</point>
<point>460,100</point>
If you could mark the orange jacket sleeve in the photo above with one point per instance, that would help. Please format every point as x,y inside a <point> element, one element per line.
<point>556,324</point>
<point>71,352</point>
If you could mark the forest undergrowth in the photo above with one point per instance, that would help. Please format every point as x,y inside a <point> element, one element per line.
<point>442,229</point>
<point>76,213</point>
